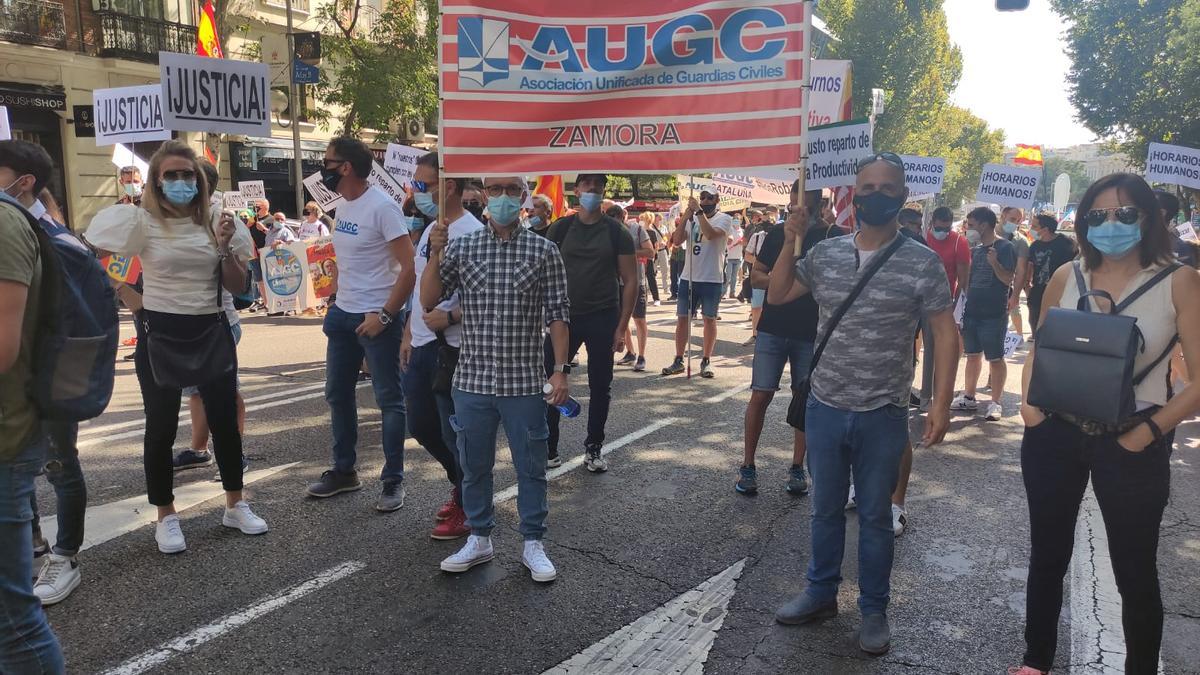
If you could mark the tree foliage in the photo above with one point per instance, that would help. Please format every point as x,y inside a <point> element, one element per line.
<point>904,48</point>
<point>380,67</point>
<point>1056,166</point>
<point>1135,65</point>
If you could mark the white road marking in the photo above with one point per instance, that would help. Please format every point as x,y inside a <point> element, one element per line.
<point>89,442</point>
<point>1097,638</point>
<point>109,521</point>
<point>674,638</point>
<point>190,641</point>
<point>728,394</point>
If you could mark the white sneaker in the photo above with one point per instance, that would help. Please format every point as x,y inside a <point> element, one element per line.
<point>242,518</point>
<point>59,576</point>
<point>994,411</point>
<point>899,520</point>
<point>657,303</point>
<point>169,535</point>
<point>850,503</point>
<point>476,551</point>
<point>961,402</point>
<point>540,567</point>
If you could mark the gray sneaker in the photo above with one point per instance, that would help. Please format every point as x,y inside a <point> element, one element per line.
<point>705,369</point>
<point>675,368</point>
<point>747,480</point>
<point>804,608</point>
<point>797,481</point>
<point>592,459</point>
<point>391,498</point>
<point>875,637</point>
<point>334,483</point>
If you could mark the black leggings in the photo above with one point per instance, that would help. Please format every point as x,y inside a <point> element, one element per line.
<point>161,405</point>
<point>1131,489</point>
<point>650,280</point>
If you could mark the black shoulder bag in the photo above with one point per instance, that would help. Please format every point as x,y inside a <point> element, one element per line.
<point>796,410</point>
<point>1083,366</point>
<point>177,362</point>
<point>447,363</point>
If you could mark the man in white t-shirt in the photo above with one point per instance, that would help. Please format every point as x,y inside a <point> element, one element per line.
<point>430,333</point>
<point>702,230</point>
<point>375,280</point>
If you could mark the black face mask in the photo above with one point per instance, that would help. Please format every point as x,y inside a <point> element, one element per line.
<point>474,208</point>
<point>330,177</point>
<point>877,208</point>
<point>708,209</point>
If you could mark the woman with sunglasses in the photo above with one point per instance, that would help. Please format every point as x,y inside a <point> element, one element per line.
<point>313,222</point>
<point>1123,244</point>
<point>185,251</point>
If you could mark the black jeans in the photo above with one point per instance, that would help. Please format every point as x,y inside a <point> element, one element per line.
<point>650,280</point>
<point>676,270</point>
<point>429,413</point>
<point>161,405</point>
<point>1034,297</point>
<point>1131,489</point>
<point>594,331</point>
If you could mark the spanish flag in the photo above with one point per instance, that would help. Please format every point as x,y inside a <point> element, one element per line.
<point>1028,155</point>
<point>552,187</point>
<point>208,43</point>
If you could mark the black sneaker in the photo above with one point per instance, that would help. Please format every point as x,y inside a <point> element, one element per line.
<point>675,368</point>
<point>627,359</point>
<point>592,459</point>
<point>192,459</point>
<point>334,483</point>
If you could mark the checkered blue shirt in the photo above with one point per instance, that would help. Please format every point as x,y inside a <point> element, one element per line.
<point>510,290</point>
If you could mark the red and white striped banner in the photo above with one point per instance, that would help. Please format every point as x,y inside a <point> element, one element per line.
<point>542,87</point>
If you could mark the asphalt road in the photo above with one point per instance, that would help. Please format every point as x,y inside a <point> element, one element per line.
<point>661,542</point>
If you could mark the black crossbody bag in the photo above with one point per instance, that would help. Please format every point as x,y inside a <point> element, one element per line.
<point>447,363</point>
<point>1083,366</point>
<point>796,410</point>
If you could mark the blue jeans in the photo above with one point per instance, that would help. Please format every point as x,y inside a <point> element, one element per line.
<point>64,473</point>
<point>344,355</point>
<point>476,419</point>
<point>429,413</point>
<point>984,336</point>
<point>27,645</point>
<point>702,295</point>
<point>871,444</point>
<point>731,276</point>
<point>772,353</point>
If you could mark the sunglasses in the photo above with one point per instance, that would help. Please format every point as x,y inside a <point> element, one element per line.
<point>306,212</point>
<point>181,174</point>
<point>889,157</point>
<point>1124,214</point>
<point>470,204</point>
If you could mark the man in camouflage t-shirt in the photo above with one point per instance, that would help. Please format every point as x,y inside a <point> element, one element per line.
<point>857,414</point>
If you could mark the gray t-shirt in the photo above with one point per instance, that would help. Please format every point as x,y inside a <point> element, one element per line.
<point>868,361</point>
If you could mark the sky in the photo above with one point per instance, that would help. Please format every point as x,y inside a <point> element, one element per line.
<point>1015,71</point>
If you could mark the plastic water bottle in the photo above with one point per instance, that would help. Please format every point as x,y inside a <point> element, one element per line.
<point>569,407</point>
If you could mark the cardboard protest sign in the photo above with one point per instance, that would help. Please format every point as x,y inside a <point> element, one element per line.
<point>129,115</point>
<point>380,178</point>
<point>829,100</point>
<point>401,161</point>
<point>252,190</point>
<point>234,200</point>
<point>834,151</point>
<point>545,87</point>
<point>286,277</point>
<point>757,190</point>
<point>1187,233</point>
<point>327,199</point>
<point>692,186</point>
<point>322,266</point>
<point>924,175</point>
<point>1174,164</point>
<point>215,95</point>
<point>1008,185</point>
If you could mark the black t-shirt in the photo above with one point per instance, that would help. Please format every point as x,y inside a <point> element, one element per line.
<point>587,253</point>
<point>1047,256</point>
<point>798,318</point>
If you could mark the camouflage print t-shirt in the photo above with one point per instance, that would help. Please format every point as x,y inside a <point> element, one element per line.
<point>868,362</point>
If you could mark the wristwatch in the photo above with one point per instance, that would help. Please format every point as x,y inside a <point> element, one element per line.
<point>564,368</point>
<point>384,316</point>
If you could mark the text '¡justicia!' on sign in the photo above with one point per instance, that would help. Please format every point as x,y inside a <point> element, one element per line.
<point>233,98</point>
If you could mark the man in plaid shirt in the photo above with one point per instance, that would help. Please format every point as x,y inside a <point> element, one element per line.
<point>512,285</point>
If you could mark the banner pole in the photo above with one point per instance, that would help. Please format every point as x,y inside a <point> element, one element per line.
<point>805,91</point>
<point>687,263</point>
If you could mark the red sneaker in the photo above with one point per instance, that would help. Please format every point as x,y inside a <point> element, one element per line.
<point>1026,670</point>
<point>131,342</point>
<point>452,527</point>
<point>449,507</point>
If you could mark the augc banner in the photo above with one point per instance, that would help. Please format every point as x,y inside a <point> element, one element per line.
<point>544,87</point>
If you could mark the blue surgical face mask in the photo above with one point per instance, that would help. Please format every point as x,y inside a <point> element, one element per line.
<point>1115,239</point>
<point>426,204</point>
<point>535,222</point>
<point>415,223</point>
<point>504,210</point>
<point>590,201</point>
<point>940,235</point>
<point>179,192</point>
<point>1010,228</point>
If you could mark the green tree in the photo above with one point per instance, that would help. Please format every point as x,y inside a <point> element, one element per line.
<point>1056,166</point>
<point>967,144</point>
<point>1134,70</point>
<point>381,67</point>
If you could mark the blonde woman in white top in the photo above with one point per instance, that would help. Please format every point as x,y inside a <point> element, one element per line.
<point>1123,244</point>
<point>183,249</point>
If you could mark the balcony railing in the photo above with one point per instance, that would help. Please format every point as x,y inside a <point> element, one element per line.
<point>141,39</point>
<point>33,22</point>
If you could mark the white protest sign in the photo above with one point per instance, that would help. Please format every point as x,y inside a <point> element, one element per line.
<point>5,130</point>
<point>252,190</point>
<point>924,175</point>
<point>215,95</point>
<point>1187,233</point>
<point>834,151</point>
<point>233,200</point>
<point>1174,164</point>
<point>129,115</point>
<point>692,186</point>
<point>327,199</point>
<point>1008,185</point>
<point>759,190</point>
<point>383,180</point>
<point>401,161</point>
<point>1012,340</point>
<point>829,97</point>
